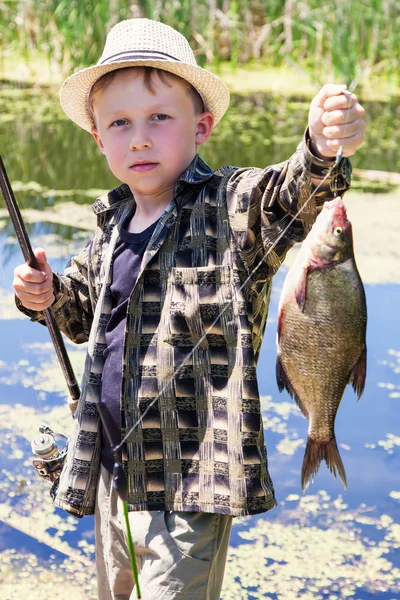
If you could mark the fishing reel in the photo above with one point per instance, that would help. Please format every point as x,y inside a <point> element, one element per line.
<point>49,454</point>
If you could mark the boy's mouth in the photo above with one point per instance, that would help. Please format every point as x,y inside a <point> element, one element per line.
<point>143,165</point>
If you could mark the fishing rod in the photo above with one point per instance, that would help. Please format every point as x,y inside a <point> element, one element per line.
<point>48,461</point>
<point>30,258</point>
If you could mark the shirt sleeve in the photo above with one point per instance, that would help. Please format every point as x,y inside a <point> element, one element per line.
<point>270,209</point>
<point>72,307</point>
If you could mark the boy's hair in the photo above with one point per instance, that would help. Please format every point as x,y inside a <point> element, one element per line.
<point>148,74</point>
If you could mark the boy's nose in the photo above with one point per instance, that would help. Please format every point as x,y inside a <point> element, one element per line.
<point>139,140</point>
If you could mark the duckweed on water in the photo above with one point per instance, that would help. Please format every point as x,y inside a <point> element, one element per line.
<point>21,572</point>
<point>275,416</point>
<point>25,506</point>
<point>316,544</point>
<point>58,245</point>
<point>41,104</point>
<point>60,239</point>
<point>296,559</point>
<point>33,187</point>
<point>391,444</point>
<point>7,307</point>
<point>48,378</point>
<point>289,447</point>
<point>393,362</point>
<point>315,549</point>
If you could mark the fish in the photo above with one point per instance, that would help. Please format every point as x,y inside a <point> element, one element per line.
<point>321,338</point>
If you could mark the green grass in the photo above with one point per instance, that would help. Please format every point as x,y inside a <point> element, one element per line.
<point>341,40</point>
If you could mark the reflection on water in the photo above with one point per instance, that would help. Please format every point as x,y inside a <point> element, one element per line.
<point>325,545</point>
<point>41,145</point>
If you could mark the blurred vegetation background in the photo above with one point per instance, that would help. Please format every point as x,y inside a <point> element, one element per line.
<point>346,38</point>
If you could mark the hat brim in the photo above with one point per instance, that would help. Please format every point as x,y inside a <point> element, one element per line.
<point>75,90</point>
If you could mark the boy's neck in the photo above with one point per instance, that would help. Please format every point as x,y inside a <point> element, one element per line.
<point>148,212</point>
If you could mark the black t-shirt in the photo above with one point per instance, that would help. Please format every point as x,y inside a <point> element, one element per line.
<point>128,254</point>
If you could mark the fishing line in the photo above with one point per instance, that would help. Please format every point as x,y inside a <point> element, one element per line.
<point>184,362</point>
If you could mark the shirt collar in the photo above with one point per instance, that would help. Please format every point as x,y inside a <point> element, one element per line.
<point>197,172</point>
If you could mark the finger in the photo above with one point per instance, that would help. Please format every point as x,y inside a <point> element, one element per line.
<point>27,273</point>
<point>343,101</point>
<point>37,307</point>
<point>349,145</point>
<point>346,130</point>
<point>36,289</point>
<point>339,117</point>
<point>46,297</point>
<point>42,260</point>
<point>328,90</point>
<point>36,302</point>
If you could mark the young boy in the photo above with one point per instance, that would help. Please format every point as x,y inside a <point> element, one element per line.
<point>169,297</point>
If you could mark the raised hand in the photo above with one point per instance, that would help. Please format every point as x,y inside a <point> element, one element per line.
<point>336,119</point>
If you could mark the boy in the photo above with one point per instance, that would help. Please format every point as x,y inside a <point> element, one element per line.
<point>175,245</point>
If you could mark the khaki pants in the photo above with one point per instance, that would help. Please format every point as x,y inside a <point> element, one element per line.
<point>180,554</point>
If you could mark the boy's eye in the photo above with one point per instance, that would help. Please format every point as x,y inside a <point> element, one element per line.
<point>160,117</point>
<point>119,123</point>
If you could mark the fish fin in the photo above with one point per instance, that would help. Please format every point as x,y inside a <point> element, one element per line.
<point>301,290</point>
<point>284,383</point>
<point>280,376</point>
<point>315,453</point>
<point>358,374</point>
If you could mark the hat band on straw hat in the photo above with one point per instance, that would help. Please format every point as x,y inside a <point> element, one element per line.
<point>139,55</point>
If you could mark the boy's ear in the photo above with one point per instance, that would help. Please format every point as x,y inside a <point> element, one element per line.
<point>204,127</point>
<point>97,138</point>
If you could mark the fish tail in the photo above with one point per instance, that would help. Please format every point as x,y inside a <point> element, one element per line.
<point>315,453</point>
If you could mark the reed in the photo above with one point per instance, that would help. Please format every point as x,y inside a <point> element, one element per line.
<point>341,38</point>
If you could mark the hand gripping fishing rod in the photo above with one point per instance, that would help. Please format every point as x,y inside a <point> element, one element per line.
<point>119,479</point>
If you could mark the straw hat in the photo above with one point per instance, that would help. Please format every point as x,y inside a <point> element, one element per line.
<point>136,43</point>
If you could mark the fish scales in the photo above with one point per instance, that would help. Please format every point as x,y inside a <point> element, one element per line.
<point>321,333</point>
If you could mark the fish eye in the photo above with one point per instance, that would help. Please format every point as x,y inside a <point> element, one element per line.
<point>338,231</point>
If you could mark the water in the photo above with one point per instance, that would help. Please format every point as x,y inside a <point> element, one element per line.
<point>326,545</point>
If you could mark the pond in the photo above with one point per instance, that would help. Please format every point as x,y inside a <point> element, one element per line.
<point>327,544</point>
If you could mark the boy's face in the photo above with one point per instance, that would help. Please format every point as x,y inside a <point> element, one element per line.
<point>148,139</point>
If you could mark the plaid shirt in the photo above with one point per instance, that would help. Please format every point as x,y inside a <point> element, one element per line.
<point>200,447</point>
